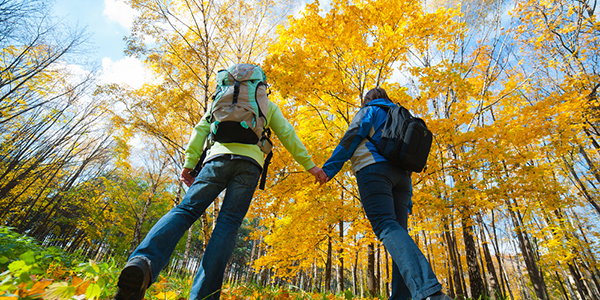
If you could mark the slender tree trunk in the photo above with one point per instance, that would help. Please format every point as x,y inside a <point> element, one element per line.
<point>561,285</point>
<point>216,207</point>
<point>454,258</point>
<point>138,227</point>
<point>355,274</point>
<point>328,265</point>
<point>340,269</point>
<point>387,273</point>
<point>591,199</point>
<point>505,285</point>
<point>371,279</point>
<point>591,165</point>
<point>576,275</point>
<point>249,268</point>
<point>527,251</point>
<point>379,283</point>
<point>476,283</point>
<point>315,275</point>
<point>205,230</point>
<point>448,262</point>
<point>188,245</point>
<point>593,269</point>
<point>496,291</point>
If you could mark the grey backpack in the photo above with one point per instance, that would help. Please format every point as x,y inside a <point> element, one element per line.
<point>238,111</point>
<point>239,107</point>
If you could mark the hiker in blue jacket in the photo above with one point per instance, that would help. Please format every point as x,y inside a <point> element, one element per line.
<point>385,192</point>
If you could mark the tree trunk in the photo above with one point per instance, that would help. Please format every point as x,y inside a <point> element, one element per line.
<point>591,165</point>
<point>216,208</point>
<point>476,283</point>
<point>249,268</point>
<point>387,273</point>
<point>328,265</point>
<point>205,230</point>
<point>527,251</point>
<point>379,281</point>
<point>371,279</point>
<point>448,262</point>
<point>496,291</point>
<point>355,274</point>
<point>591,199</point>
<point>576,275</point>
<point>504,283</point>
<point>315,275</point>
<point>340,269</point>
<point>188,245</point>
<point>454,259</point>
<point>138,226</point>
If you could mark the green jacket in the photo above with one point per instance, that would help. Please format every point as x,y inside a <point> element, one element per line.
<point>275,120</point>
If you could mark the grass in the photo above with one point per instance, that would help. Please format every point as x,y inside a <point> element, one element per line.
<point>30,271</point>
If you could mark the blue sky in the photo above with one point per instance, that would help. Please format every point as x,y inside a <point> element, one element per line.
<point>107,22</point>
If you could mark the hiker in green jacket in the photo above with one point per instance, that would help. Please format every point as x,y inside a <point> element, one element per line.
<point>233,166</point>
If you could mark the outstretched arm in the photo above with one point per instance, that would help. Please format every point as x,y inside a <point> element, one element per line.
<point>347,145</point>
<point>288,137</point>
<point>193,150</point>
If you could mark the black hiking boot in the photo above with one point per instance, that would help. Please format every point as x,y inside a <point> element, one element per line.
<point>133,281</point>
<point>439,295</point>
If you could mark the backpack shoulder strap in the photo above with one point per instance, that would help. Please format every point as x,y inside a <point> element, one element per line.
<point>405,112</point>
<point>386,109</point>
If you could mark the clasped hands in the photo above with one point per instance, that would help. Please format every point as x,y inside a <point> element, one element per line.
<point>319,174</point>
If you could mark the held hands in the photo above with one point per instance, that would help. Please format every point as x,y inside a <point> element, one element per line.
<point>186,177</point>
<point>319,174</point>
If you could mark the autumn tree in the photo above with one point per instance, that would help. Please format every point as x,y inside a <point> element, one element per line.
<point>322,64</point>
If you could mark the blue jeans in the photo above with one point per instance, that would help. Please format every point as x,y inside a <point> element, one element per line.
<point>240,178</point>
<point>385,192</point>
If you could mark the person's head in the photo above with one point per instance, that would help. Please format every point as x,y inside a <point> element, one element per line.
<point>376,93</point>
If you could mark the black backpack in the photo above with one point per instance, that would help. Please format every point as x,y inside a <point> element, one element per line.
<point>405,140</point>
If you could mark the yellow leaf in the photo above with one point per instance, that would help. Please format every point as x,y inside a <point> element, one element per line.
<point>167,295</point>
<point>39,287</point>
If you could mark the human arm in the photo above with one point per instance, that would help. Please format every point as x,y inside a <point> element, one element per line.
<point>194,149</point>
<point>357,131</point>
<point>288,137</point>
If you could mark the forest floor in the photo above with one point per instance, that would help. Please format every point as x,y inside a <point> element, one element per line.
<point>29,271</point>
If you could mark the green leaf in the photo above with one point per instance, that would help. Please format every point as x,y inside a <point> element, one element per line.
<point>93,291</point>
<point>25,277</point>
<point>7,287</point>
<point>28,257</point>
<point>101,281</point>
<point>60,290</point>
<point>95,266</point>
<point>3,259</point>
<point>16,265</point>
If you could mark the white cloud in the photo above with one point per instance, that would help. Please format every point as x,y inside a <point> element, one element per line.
<point>129,71</point>
<point>120,12</point>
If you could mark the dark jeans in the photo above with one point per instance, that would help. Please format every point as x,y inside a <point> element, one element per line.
<point>240,178</point>
<point>385,192</point>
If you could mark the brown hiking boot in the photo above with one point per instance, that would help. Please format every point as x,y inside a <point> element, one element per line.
<point>134,280</point>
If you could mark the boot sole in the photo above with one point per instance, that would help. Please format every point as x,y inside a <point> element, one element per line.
<point>130,284</point>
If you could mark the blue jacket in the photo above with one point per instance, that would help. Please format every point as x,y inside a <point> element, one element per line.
<point>368,121</point>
